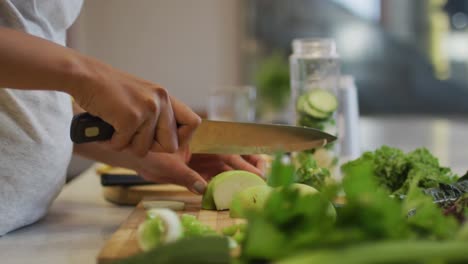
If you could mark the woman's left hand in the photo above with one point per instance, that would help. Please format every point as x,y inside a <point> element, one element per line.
<point>194,170</point>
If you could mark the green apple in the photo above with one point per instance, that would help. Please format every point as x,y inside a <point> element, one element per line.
<point>229,183</point>
<point>250,199</point>
<point>207,200</point>
<point>304,188</point>
<point>222,187</point>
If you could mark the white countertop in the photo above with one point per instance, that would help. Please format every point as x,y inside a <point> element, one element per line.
<point>80,220</point>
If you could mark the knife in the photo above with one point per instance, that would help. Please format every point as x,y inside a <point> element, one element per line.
<point>219,137</point>
<point>126,180</point>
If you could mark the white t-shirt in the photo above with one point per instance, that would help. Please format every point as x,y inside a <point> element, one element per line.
<point>35,147</point>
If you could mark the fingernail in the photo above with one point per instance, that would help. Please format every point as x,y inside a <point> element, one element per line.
<point>199,187</point>
<point>262,169</point>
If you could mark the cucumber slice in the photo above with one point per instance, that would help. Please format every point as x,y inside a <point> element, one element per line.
<point>322,100</point>
<point>308,121</point>
<point>301,102</point>
<point>309,110</point>
<point>303,106</point>
<point>162,226</point>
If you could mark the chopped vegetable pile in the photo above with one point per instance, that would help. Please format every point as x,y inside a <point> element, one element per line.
<point>392,214</point>
<point>295,228</point>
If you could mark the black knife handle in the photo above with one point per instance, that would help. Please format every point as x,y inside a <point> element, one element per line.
<point>88,128</point>
<point>123,180</point>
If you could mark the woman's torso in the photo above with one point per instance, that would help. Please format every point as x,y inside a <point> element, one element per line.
<point>35,148</point>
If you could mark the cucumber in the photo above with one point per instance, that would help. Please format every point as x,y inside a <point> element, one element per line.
<point>303,106</point>
<point>322,100</point>
<point>162,226</point>
<point>311,111</point>
<point>308,121</point>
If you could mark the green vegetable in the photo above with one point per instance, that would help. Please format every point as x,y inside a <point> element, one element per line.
<point>288,222</point>
<point>150,234</point>
<point>263,240</point>
<point>196,250</point>
<point>315,109</point>
<point>193,227</point>
<point>272,80</point>
<point>305,108</point>
<point>239,237</point>
<point>309,172</point>
<point>162,226</point>
<point>230,230</point>
<point>428,220</point>
<point>395,170</point>
<point>369,210</point>
<point>281,173</point>
<point>318,103</point>
<point>236,232</point>
<point>389,252</point>
<point>312,122</point>
<point>298,228</point>
<point>463,233</point>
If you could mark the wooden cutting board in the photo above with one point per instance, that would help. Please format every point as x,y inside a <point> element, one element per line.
<point>123,242</point>
<point>132,195</point>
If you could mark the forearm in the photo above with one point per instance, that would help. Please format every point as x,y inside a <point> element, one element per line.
<point>28,62</point>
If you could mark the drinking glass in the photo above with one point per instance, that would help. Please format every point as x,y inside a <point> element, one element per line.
<point>235,103</point>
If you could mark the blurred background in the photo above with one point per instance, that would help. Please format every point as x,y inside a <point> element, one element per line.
<point>409,58</point>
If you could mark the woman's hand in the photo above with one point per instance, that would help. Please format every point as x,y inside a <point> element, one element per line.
<point>143,114</point>
<point>193,171</point>
<point>210,165</point>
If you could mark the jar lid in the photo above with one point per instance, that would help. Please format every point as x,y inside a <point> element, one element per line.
<point>315,47</point>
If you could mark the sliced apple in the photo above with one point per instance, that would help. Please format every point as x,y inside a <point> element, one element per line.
<point>228,183</point>
<point>207,200</point>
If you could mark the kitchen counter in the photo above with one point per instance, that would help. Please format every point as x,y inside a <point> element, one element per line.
<point>80,220</point>
<point>78,224</point>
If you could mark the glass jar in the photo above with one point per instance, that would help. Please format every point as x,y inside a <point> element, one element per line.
<point>315,75</point>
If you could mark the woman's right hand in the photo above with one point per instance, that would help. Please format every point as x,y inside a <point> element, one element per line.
<point>144,116</point>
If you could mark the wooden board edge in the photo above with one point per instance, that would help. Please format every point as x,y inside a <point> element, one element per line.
<point>106,254</point>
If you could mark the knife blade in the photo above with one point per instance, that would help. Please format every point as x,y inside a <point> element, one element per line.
<point>219,137</point>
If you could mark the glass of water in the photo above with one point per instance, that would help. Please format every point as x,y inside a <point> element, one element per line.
<point>235,103</point>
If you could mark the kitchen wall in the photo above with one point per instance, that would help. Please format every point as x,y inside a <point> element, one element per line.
<point>189,47</point>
